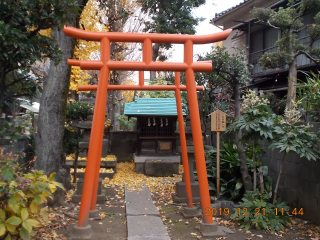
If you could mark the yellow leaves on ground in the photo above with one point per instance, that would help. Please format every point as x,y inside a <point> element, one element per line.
<point>107,158</point>
<point>102,214</point>
<point>102,170</point>
<point>126,177</point>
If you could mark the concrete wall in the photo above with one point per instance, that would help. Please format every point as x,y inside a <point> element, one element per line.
<point>124,144</point>
<point>299,183</point>
<point>236,39</point>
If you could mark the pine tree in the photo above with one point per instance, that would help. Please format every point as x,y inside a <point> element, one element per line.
<point>289,21</point>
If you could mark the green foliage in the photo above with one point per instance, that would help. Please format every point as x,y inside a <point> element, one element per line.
<point>256,118</point>
<point>13,131</point>
<point>125,123</point>
<point>230,176</point>
<point>21,196</point>
<point>274,59</point>
<point>22,43</point>
<point>309,92</point>
<point>171,16</point>
<point>257,212</point>
<point>291,138</point>
<point>157,94</point>
<point>75,112</point>
<point>289,21</point>
<point>218,84</point>
<point>230,67</point>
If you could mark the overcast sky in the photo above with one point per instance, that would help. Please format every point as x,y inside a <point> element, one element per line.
<point>207,11</point>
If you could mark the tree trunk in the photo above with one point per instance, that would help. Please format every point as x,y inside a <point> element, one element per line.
<point>260,170</point>
<point>246,178</point>
<point>254,169</point>
<point>155,53</point>
<point>53,109</point>
<point>278,180</point>
<point>292,83</point>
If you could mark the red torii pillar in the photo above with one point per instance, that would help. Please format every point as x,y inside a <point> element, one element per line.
<point>90,186</point>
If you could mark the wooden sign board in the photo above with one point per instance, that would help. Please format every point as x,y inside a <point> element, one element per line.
<point>218,121</point>
<point>165,146</point>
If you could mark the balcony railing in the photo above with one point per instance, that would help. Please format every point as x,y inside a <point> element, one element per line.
<point>302,60</point>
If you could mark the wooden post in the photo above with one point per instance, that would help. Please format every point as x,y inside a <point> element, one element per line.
<point>218,124</point>
<point>218,164</point>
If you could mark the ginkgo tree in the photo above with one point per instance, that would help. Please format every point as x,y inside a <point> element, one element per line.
<point>89,20</point>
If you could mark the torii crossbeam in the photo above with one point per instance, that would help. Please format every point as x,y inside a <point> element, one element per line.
<point>90,186</point>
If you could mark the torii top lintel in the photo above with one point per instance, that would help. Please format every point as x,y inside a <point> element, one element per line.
<point>141,37</point>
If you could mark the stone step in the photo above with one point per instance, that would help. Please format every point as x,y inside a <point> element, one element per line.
<point>157,166</point>
<point>142,224</point>
<point>102,175</point>
<point>103,164</point>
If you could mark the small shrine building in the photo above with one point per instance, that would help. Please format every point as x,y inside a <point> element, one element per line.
<point>156,131</point>
<point>156,123</point>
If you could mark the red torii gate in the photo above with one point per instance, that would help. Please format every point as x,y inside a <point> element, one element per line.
<point>90,186</point>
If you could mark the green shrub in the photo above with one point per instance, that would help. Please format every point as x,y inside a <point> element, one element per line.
<point>256,211</point>
<point>231,186</point>
<point>20,198</point>
<point>125,123</point>
<point>230,175</point>
<point>77,111</point>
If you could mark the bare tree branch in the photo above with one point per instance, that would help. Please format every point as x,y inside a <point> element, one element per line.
<point>272,25</point>
<point>315,60</point>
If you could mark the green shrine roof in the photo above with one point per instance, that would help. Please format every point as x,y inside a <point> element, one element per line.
<point>152,107</point>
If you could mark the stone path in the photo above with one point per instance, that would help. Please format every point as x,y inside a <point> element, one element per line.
<point>143,218</point>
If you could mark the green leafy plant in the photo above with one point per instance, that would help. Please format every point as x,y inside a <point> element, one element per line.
<point>21,196</point>
<point>76,112</point>
<point>23,126</point>
<point>125,123</point>
<point>291,138</point>
<point>309,94</point>
<point>230,176</point>
<point>256,119</point>
<point>256,211</point>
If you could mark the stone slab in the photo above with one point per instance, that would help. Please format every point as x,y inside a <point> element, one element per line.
<point>161,168</point>
<point>80,233</point>
<point>88,100</point>
<point>149,238</point>
<point>103,164</point>
<point>177,199</point>
<point>100,198</point>
<point>85,125</point>
<point>143,158</point>
<point>181,190</point>
<point>138,196</point>
<point>102,175</point>
<point>77,198</point>
<point>140,168</point>
<point>80,186</point>
<point>141,208</point>
<point>190,212</point>
<point>83,144</point>
<point>146,227</point>
<point>211,230</point>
